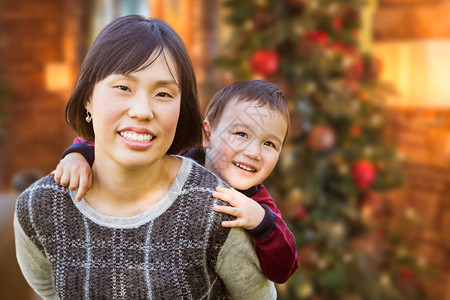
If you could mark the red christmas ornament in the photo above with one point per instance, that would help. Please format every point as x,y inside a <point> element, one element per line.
<point>310,256</point>
<point>321,138</point>
<point>363,173</point>
<point>342,48</point>
<point>356,70</point>
<point>337,22</point>
<point>265,62</point>
<point>356,130</point>
<point>300,213</point>
<point>407,273</point>
<point>409,282</point>
<point>319,37</point>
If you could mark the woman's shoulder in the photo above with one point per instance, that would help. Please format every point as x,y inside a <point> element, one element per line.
<point>200,176</point>
<point>43,186</point>
<point>37,207</point>
<point>199,185</point>
<point>40,195</point>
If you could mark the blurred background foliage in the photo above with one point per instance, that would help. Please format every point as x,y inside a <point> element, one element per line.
<point>338,161</point>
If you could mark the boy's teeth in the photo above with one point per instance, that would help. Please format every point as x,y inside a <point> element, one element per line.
<point>244,167</point>
<point>136,137</point>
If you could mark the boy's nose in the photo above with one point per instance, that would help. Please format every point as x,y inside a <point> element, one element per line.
<point>252,150</point>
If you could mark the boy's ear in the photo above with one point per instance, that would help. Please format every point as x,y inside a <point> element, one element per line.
<point>206,134</point>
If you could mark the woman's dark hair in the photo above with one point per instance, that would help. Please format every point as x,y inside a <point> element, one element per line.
<point>124,46</point>
<point>262,92</point>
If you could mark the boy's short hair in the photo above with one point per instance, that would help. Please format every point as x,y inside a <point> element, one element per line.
<point>124,46</point>
<point>262,92</point>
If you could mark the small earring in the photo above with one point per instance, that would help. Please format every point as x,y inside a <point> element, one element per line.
<point>88,117</point>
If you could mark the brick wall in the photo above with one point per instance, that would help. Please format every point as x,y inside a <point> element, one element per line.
<point>423,138</point>
<point>411,19</point>
<point>32,35</point>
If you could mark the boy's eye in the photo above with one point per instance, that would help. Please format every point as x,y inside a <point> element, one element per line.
<point>242,134</point>
<point>123,88</point>
<point>270,144</point>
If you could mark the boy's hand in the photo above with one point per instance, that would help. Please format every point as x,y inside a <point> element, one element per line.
<point>74,170</point>
<point>248,212</point>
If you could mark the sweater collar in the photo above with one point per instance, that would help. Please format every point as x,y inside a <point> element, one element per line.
<point>251,191</point>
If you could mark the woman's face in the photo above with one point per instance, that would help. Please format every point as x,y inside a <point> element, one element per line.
<point>135,115</point>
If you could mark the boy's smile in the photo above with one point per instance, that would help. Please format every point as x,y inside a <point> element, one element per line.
<point>245,144</point>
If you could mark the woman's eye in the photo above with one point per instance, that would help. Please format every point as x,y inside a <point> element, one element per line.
<point>163,94</point>
<point>242,134</point>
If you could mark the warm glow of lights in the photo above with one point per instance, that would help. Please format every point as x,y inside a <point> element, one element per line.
<point>58,77</point>
<point>419,71</point>
<point>178,14</point>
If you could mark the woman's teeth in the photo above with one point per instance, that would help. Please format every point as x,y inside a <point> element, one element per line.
<point>244,167</point>
<point>136,137</point>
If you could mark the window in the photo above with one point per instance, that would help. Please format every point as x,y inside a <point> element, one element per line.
<point>107,10</point>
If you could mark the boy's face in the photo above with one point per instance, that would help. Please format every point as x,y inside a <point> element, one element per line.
<point>244,145</point>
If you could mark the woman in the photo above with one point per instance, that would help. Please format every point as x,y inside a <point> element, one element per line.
<point>147,228</point>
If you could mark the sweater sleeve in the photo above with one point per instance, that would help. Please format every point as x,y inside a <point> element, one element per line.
<point>83,147</point>
<point>239,269</point>
<point>277,251</point>
<point>34,265</point>
<point>267,225</point>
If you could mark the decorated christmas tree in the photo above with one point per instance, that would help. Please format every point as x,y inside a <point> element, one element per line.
<point>337,163</point>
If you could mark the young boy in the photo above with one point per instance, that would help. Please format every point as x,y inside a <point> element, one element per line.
<point>245,126</point>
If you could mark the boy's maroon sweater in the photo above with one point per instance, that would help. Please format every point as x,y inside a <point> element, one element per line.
<point>277,252</point>
<point>275,243</point>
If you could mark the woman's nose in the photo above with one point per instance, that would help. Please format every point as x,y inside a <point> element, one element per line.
<point>140,107</point>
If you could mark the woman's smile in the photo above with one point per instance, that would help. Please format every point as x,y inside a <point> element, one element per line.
<point>136,137</point>
<point>136,141</point>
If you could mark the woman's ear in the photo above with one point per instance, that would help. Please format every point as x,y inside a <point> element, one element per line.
<point>88,105</point>
<point>206,134</point>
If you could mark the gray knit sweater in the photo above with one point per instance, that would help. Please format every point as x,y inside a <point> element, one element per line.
<point>175,250</point>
